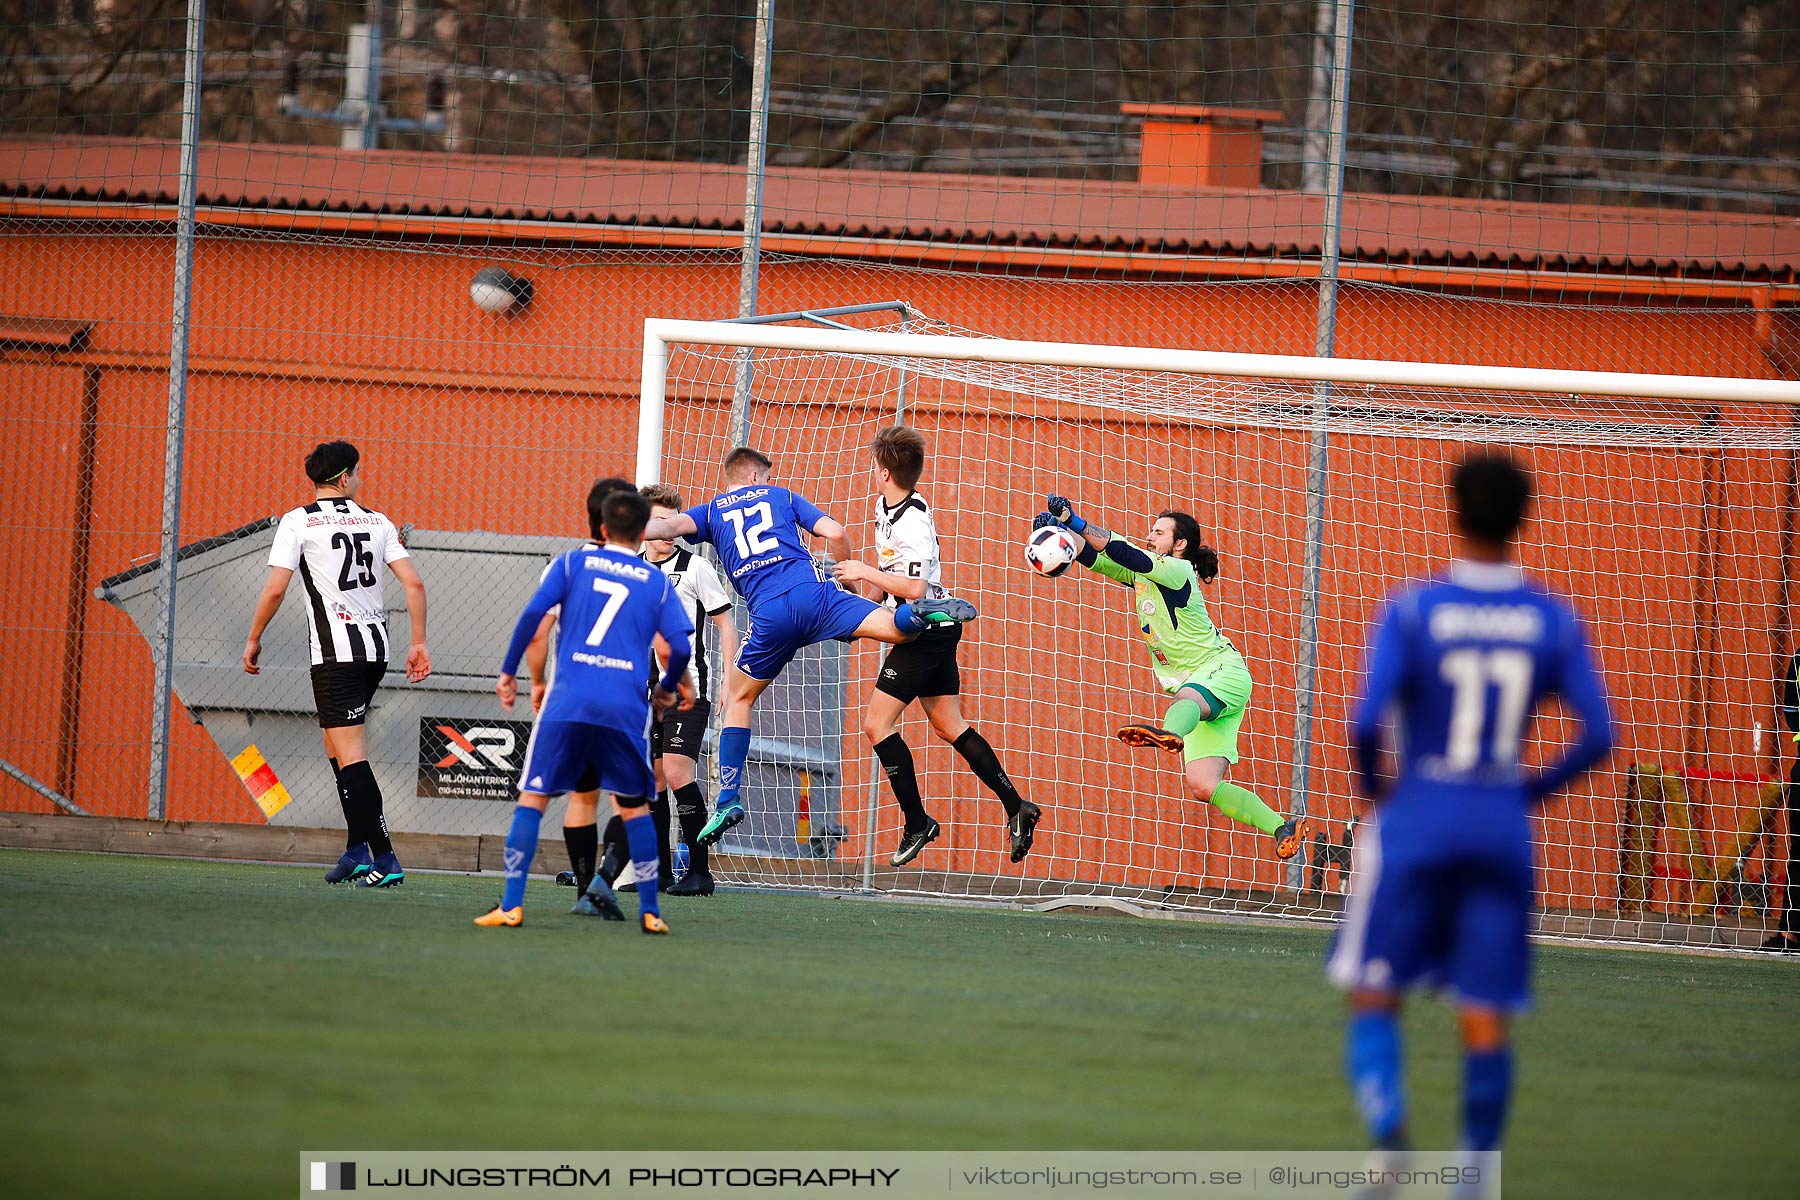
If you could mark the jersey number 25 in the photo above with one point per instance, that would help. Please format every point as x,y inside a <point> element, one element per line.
<point>358,558</point>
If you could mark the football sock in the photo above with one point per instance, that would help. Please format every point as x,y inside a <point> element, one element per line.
<point>362,795</point>
<point>734,751</point>
<point>659,813</point>
<point>351,840</point>
<point>690,810</point>
<point>521,849</point>
<point>1372,1061</point>
<point>897,764</point>
<point>379,842</point>
<point>906,621</point>
<point>986,764</point>
<point>1182,718</point>
<point>1487,1087</point>
<point>1245,806</point>
<point>640,831</point>
<point>612,863</point>
<point>583,842</point>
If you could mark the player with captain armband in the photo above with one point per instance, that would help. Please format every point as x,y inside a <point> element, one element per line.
<point>1191,659</point>
<point>926,671</point>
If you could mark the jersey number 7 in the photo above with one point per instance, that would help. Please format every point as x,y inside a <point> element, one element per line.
<point>615,593</point>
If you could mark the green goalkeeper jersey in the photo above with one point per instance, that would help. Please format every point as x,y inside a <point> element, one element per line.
<point>1171,614</point>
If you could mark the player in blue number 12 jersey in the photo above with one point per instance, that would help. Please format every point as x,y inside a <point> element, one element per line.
<point>756,527</point>
<point>596,718</point>
<point>1441,889</point>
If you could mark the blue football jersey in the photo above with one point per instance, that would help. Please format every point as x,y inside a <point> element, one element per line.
<point>757,531</point>
<point>1462,663</point>
<point>612,604</point>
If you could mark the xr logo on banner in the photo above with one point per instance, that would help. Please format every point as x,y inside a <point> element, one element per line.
<point>494,744</point>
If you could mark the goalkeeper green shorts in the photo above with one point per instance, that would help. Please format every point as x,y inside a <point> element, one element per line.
<point>1230,684</point>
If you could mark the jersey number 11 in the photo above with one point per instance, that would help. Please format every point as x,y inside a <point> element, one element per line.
<point>1471,673</point>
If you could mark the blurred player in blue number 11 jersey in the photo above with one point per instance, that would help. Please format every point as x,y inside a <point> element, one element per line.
<point>1441,890</point>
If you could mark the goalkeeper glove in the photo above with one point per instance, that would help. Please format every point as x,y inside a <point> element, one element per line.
<point>1064,512</point>
<point>1042,520</point>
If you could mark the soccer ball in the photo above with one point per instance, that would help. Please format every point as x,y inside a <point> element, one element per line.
<point>1051,550</point>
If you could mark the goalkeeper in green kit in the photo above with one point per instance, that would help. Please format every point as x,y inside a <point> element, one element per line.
<point>1191,659</point>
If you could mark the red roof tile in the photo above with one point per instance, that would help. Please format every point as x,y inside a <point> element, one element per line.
<point>967,209</point>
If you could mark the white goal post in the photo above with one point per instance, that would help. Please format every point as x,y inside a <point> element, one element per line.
<point>662,332</point>
<point>1666,509</point>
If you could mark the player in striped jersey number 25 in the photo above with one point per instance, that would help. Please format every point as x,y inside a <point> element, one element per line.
<point>337,546</point>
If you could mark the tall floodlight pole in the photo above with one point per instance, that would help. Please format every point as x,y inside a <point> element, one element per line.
<point>1318,461</point>
<point>755,160</point>
<point>162,647</point>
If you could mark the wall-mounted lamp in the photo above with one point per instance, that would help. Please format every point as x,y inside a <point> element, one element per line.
<point>494,290</point>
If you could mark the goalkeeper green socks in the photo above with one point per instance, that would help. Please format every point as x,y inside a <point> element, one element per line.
<point>1245,806</point>
<point>1182,718</point>
<point>1239,803</point>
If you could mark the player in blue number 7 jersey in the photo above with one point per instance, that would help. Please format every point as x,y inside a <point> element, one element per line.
<point>756,526</point>
<point>1441,889</point>
<point>596,717</point>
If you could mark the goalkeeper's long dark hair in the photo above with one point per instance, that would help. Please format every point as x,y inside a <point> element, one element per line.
<point>1203,556</point>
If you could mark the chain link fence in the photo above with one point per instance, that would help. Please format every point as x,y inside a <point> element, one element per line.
<point>1606,186</point>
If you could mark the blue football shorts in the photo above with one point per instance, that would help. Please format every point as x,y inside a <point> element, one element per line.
<point>1457,918</point>
<point>570,756</point>
<point>784,625</point>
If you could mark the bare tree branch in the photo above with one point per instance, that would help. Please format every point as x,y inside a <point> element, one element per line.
<point>1473,162</point>
<point>989,46</point>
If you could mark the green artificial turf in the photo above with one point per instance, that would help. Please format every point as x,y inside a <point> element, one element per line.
<point>170,1026</point>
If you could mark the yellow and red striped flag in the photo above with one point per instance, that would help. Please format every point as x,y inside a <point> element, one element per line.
<point>265,787</point>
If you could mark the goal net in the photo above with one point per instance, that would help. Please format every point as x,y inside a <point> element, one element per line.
<point>1665,509</point>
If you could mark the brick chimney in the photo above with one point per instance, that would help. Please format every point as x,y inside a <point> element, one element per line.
<point>1201,145</point>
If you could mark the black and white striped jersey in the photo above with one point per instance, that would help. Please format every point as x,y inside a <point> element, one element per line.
<point>906,543</point>
<point>698,584</point>
<point>339,548</point>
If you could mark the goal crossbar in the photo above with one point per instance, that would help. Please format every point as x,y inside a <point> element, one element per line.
<point>661,333</point>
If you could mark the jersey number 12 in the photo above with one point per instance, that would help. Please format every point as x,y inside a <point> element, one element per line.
<point>1471,673</point>
<point>757,539</point>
